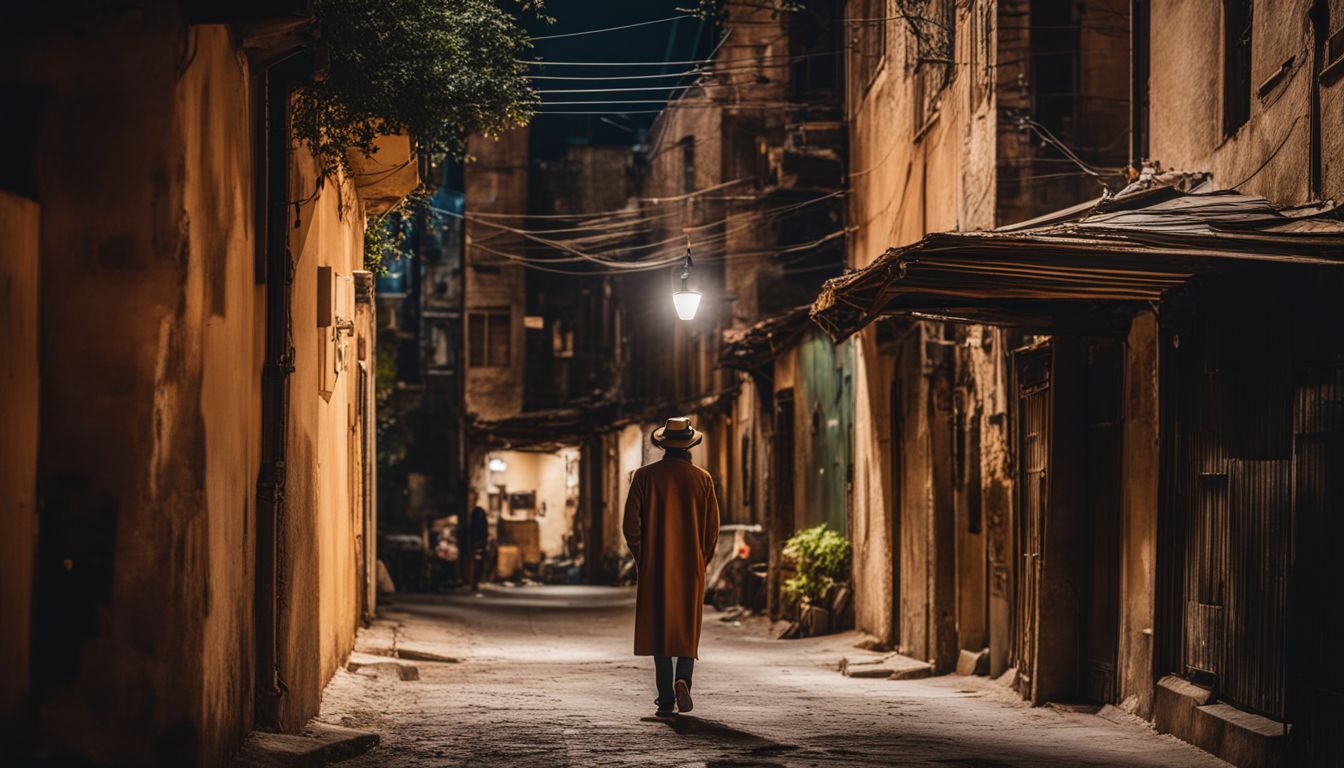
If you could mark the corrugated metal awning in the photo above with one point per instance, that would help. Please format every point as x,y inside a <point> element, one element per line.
<point>1090,271</point>
<point>754,349</point>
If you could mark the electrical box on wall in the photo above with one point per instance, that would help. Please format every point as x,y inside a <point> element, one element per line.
<point>335,321</point>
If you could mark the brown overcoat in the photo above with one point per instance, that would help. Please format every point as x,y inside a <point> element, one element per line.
<point>671,525</point>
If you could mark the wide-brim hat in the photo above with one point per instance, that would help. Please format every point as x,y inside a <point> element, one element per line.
<point>677,433</point>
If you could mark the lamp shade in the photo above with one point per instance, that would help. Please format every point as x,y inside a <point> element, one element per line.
<point>686,302</point>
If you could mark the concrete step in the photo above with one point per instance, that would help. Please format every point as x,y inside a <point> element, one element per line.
<point>319,745</point>
<point>891,667</point>
<point>1188,712</point>
<point>381,666</point>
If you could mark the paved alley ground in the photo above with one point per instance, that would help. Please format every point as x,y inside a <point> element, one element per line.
<point>543,676</point>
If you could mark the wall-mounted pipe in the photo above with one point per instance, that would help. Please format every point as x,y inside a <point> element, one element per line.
<point>278,85</point>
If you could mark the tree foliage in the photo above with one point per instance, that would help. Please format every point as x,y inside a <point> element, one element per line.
<point>821,556</point>
<point>436,70</point>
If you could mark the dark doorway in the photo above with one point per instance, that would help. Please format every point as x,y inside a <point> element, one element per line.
<point>1103,441</point>
<point>1070,438</point>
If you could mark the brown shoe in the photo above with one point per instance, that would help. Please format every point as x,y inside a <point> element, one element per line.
<point>684,703</point>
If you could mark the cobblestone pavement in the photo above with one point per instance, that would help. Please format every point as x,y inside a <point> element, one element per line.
<point>543,676</point>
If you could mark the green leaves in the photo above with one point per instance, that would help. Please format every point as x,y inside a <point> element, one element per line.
<point>821,556</point>
<point>436,70</point>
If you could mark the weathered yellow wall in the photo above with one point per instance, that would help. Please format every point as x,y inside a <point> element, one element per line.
<point>148,370</point>
<point>872,528</point>
<point>319,529</point>
<point>19,276</point>
<point>150,359</point>
<point>1186,100</point>
<point>906,180</point>
<point>221,284</point>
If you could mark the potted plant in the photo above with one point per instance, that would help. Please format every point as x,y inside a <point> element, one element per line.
<point>821,558</point>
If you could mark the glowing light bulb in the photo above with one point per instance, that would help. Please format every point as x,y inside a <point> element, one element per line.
<point>687,303</point>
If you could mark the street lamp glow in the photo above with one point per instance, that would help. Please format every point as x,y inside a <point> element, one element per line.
<point>686,302</point>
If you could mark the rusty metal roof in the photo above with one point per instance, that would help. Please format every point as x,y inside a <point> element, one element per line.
<point>1085,272</point>
<point>754,349</point>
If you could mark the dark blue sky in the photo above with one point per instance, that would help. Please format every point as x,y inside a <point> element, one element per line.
<point>685,39</point>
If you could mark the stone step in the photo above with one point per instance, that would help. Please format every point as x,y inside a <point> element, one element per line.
<point>892,667</point>
<point>319,745</point>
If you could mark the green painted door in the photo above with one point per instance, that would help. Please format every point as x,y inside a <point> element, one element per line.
<point>825,407</point>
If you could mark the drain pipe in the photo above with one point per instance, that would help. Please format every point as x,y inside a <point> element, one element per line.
<point>278,83</point>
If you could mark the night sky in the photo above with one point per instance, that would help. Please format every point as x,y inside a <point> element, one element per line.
<point>680,40</point>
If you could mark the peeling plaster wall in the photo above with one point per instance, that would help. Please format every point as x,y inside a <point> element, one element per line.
<point>1270,155</point>
<point>150,364</point>
<point>149,388</point>
<point>218,202</point>
<point>906,180</point>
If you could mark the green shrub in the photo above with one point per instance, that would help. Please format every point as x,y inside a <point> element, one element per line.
<point>821,556</point>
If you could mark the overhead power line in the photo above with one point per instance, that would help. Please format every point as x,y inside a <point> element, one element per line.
<point>752,62</point>
<point>612,29</point>
<point>668,76</point>
<point>632,90</point>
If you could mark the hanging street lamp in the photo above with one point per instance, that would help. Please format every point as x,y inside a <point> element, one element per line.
<point>686,300</point>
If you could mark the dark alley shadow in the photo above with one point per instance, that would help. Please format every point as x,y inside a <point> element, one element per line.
<point>696,726</point>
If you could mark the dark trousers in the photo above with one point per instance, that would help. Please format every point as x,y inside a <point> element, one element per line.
<point>662,665</point>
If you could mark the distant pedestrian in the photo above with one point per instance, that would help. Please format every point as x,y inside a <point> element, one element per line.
<point>473,541</point>
<point>671,526</point>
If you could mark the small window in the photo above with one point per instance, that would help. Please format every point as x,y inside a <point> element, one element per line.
<point>488,338</point>
<point>1236,64</point>
<point>688,164</point>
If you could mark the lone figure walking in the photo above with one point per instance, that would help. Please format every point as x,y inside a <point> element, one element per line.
<point>671,526</point>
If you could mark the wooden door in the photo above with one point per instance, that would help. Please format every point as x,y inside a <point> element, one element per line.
<point>1033,368</point>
